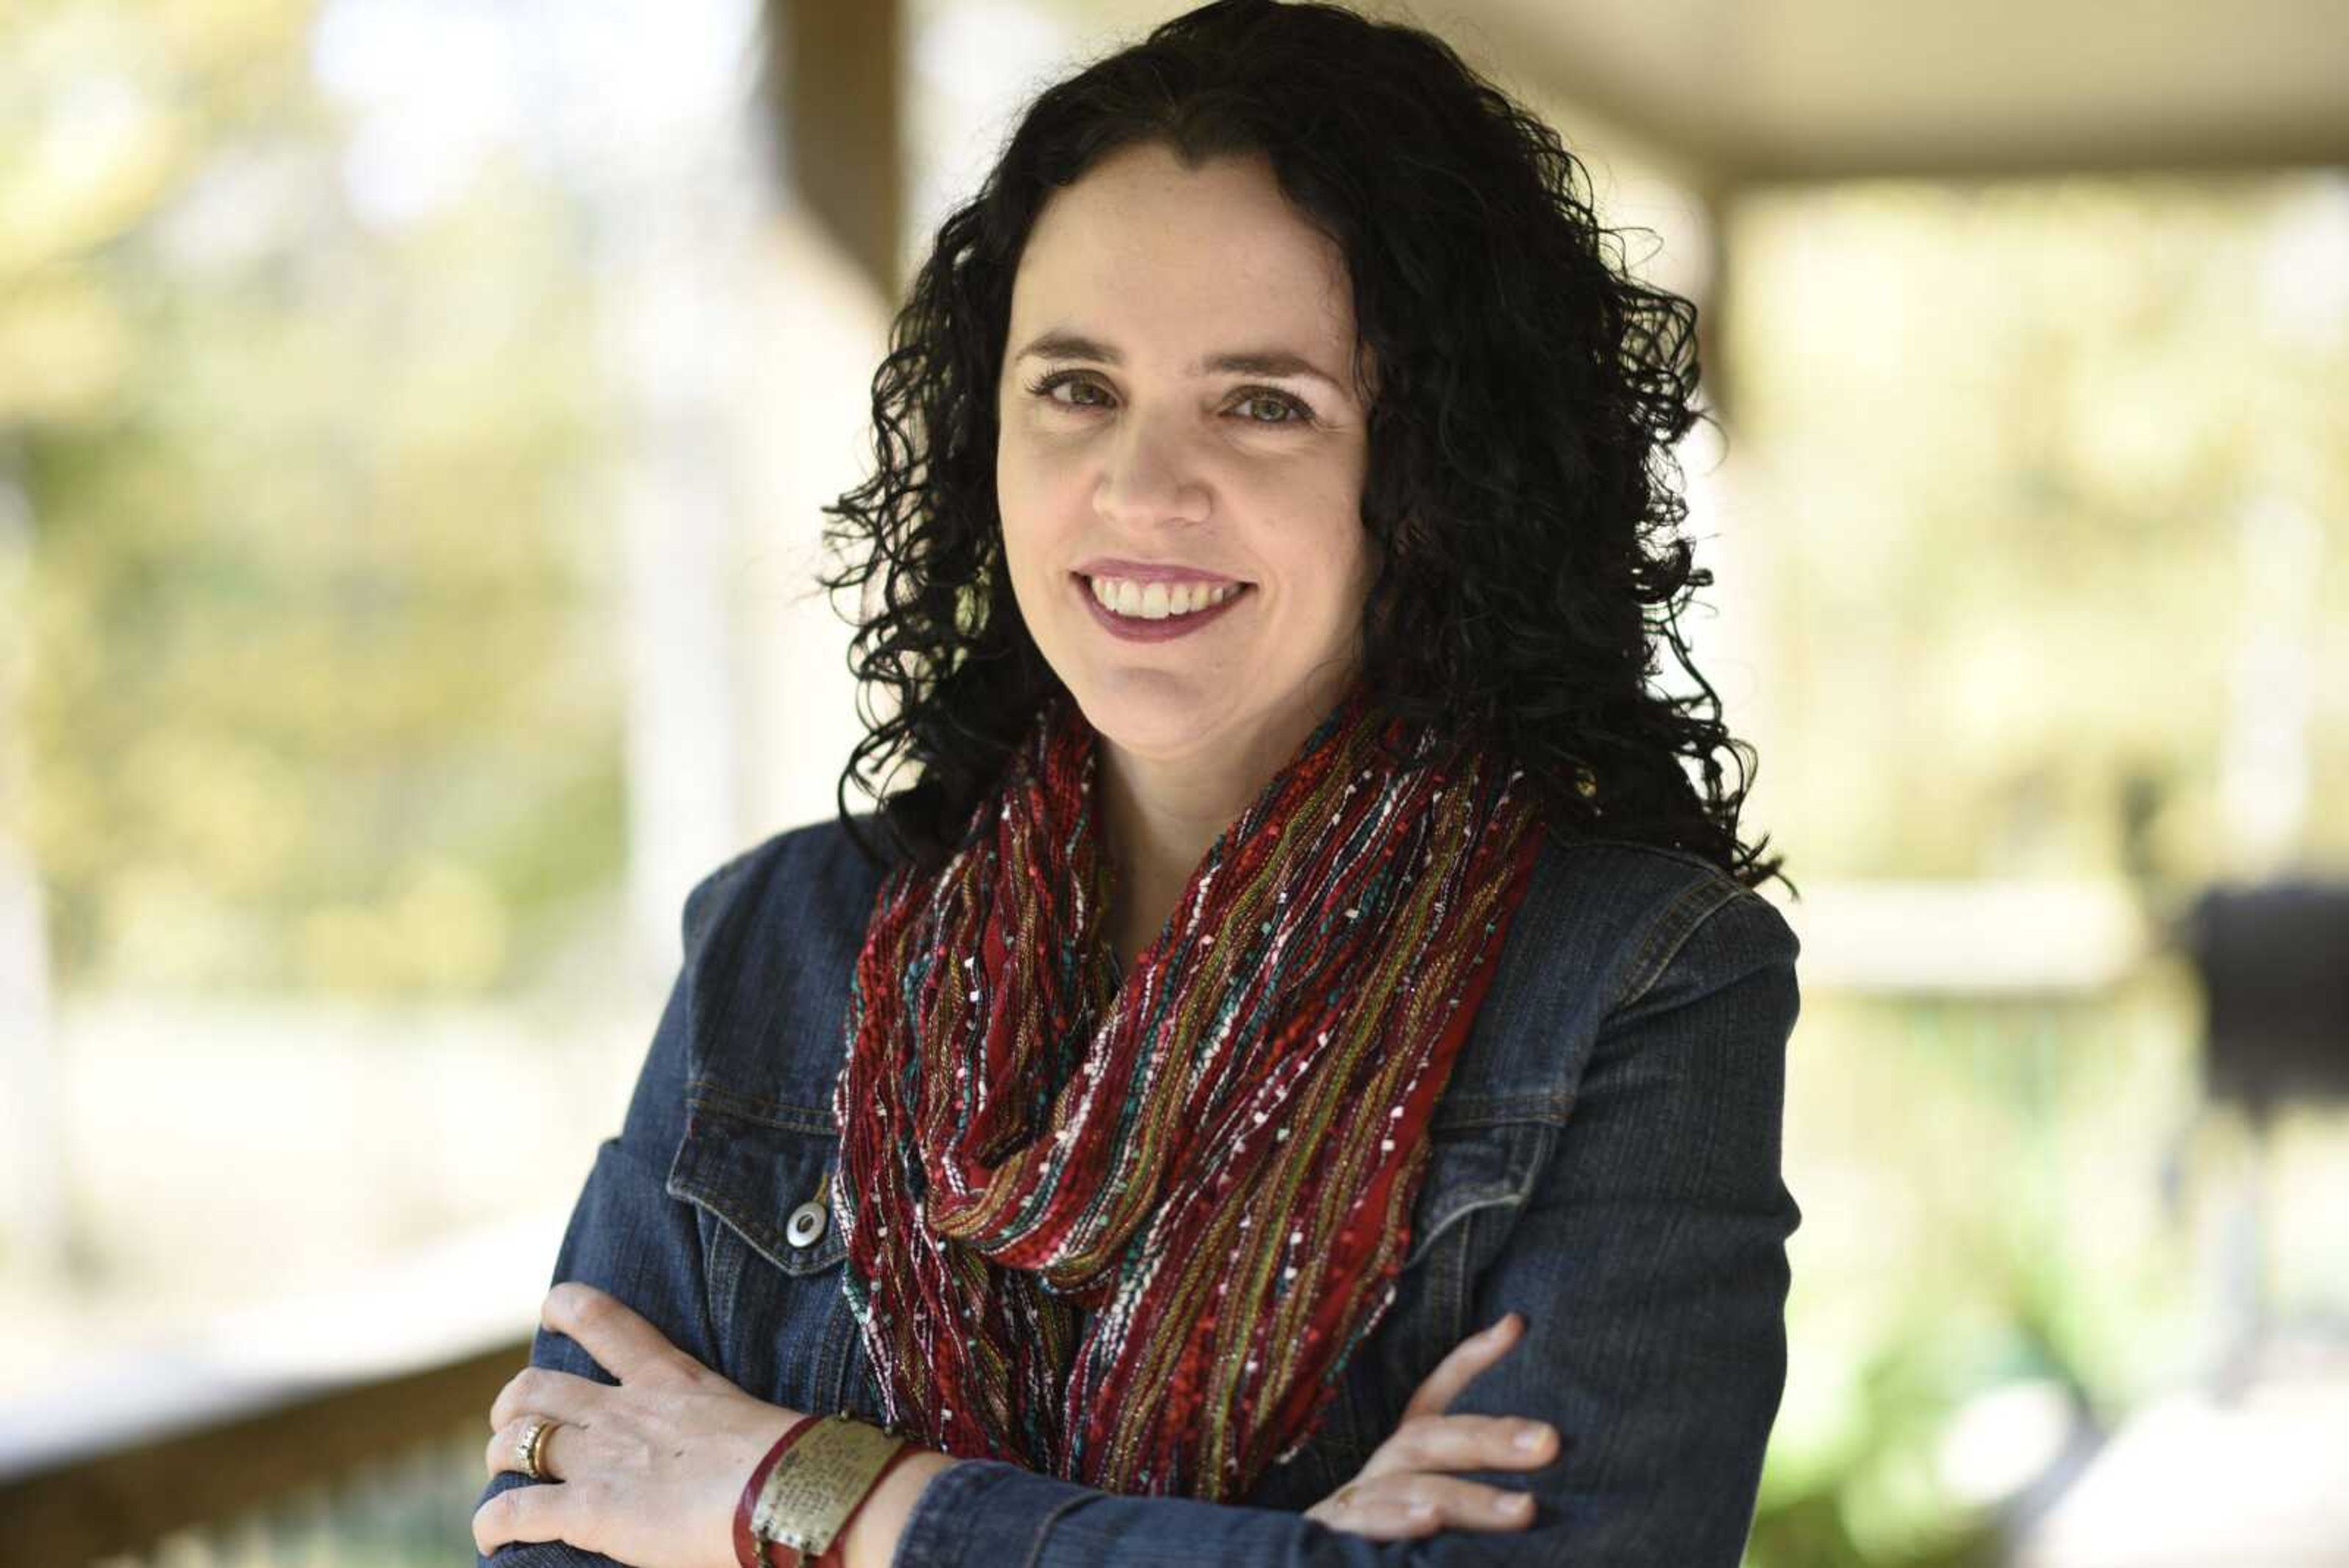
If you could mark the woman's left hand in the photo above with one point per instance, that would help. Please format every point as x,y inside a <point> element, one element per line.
<point>650,1470</point>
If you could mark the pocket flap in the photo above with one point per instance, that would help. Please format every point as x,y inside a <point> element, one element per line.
<point>1470,1168</point>
<point>751,1166</point>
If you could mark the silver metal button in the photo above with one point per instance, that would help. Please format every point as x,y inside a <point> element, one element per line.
<point>806,1225</point>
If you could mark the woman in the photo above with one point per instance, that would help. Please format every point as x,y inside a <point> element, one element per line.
<point>1305,940</point>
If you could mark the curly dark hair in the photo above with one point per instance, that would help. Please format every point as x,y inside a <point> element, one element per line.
<point>1521,495</point>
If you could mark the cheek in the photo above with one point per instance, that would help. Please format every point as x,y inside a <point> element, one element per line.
<point>1326,555</point>
<point>1037,539</point>
<point>1019,502</point>
<point>1032,487</point>
<point>1349,586</point>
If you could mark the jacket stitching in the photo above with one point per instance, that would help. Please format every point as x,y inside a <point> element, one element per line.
<point>831,1356</point>
<point>1466,1111</point>
<point>1044,1528</point>
<point>709,1094</point>
<point>1671,932</point>
<point>721,1279</point>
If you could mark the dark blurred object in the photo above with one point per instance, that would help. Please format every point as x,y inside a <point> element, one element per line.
<point>2275,964</point>
<point>833,92</point>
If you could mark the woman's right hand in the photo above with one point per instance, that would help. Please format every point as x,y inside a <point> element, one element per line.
<point>1403,1491</point>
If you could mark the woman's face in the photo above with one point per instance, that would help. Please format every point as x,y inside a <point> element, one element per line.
<point>1177,407</point>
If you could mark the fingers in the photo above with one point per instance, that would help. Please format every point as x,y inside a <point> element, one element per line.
<point>504,1450</point>
<point>1394,1508</point>
<point>1457,1370</point>
<point>621,1341</point>
<point>524,1513</point>
<point>1464,1443</point>
<point>542,1390</point>
<point>1402,1491</point>
<point>1360,1509</point>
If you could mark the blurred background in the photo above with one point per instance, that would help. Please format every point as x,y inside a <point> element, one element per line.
<point>414,416</point>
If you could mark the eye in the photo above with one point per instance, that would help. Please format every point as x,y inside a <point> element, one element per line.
<point>1045,388</point>
<point>1290,410</point>
<point>1293,412</point>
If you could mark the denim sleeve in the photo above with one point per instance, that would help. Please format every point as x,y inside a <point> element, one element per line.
<point>1650,1264</point>
<point>629,1237</point>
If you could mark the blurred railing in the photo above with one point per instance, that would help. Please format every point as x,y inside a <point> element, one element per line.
<point>370,1475</point>
<point>345,1426</point>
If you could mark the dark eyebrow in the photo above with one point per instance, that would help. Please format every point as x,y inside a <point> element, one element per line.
<point>1237,362</point>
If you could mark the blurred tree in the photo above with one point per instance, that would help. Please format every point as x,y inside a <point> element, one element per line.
<point>1999,443</point>
<point>318,695</point>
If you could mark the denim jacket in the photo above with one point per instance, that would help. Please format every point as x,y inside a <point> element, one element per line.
<point>1605,1161</point>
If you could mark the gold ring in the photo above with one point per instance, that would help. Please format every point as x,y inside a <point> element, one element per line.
<point>527,1446</point>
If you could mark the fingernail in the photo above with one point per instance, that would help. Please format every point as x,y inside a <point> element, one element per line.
<point>1420,1508</point>
<point>1518,1502</point>
<point>1500,1328</point>
<point>1531,1437</point>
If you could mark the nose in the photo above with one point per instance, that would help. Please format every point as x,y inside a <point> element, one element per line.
<point>1150,478</point>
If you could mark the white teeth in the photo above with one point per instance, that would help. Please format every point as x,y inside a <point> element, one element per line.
<point>1157,601</point>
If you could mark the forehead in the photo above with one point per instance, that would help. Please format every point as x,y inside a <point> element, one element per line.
<point>1153,255</point>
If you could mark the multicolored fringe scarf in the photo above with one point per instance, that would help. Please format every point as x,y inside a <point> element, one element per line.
<point>1127,1233</point>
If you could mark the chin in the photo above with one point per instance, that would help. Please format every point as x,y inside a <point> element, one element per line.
<point>1153,713</point>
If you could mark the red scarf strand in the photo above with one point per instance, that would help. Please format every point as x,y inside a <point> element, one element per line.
<point>1128,1232</point>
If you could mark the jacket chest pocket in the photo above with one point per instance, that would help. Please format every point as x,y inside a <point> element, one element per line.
<point>760,1178</point>
<point>1477,1176</point>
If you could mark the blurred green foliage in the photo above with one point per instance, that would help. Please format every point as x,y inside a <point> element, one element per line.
<point>1996,443</point>
<point>1981,1187</point>
<point>319,695</point>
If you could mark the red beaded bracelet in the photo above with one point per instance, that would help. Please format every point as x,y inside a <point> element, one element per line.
<point>750,1551</point>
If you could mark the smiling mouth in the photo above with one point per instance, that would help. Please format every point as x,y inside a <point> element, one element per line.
<point>1131,600</point>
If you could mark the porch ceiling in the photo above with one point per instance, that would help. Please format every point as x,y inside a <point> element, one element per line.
<point>1746,91</point>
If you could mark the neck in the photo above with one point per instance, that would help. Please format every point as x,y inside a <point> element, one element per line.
<point>1161,814</point>
<point>1158,823</point>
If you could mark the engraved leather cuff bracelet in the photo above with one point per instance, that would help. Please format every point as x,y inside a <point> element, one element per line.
<point>821,1473</point>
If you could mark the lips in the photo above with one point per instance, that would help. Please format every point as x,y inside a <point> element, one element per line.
<point>1167,572</point>
<point>1128,629</point>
